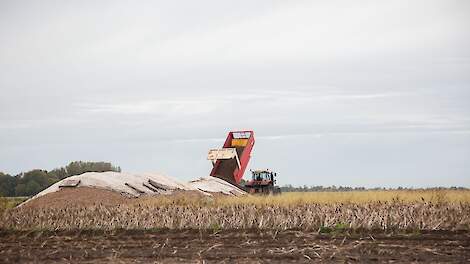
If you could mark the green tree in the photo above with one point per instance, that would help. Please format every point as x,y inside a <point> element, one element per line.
<point>20,189</point>
<point>79,167</point>
<point>59,173</point>
<point>32,188</point>
<point>7,185</point>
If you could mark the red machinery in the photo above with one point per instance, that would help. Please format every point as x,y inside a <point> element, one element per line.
<point>262,181</point>
<point>230,162</point>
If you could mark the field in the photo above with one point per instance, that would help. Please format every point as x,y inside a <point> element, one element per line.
<point>400,226</point>
<point>10,202</point>
<point>230,246</point>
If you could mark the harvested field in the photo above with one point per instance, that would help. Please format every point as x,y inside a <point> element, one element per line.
<point>114,211</point>
<point>229,246</point>
<point>10,202</point>
<point>94,225</point>
<point>356,197</point>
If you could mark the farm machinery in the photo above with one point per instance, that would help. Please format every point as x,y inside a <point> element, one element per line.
<point>230,162</point>
<point>262,181</point>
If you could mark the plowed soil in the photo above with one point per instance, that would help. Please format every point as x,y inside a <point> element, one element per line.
<point>240,246</point>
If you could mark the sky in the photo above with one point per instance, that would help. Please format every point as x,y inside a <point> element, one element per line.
<point>350,93</point>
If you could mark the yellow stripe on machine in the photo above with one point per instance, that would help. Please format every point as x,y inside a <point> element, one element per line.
<point>239,142</point>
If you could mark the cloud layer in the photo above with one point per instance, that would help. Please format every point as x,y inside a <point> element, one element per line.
<point>337,93</point>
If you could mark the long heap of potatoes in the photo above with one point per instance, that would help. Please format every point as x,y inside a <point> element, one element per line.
<point>370,216</point>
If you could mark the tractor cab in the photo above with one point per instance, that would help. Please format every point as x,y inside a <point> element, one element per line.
<point>263,175</point>
<point>262,181</point>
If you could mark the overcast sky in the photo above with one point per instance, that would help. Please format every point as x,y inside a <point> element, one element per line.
<point>358,93</point>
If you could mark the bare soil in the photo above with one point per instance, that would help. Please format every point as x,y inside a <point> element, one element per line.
<point>237,246</point>
<point>88,196</point>
<point>80,196</point>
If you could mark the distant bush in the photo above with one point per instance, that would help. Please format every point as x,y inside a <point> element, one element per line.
<point>79,167</point>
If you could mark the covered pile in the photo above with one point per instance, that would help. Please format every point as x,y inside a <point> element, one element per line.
<point>215,185</point>
<point>132,185</point>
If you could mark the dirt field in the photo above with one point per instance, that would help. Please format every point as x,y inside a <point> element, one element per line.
<point>186,228</point>
<point>193,246</point>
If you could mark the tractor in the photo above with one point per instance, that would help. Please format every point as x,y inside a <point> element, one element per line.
<point>230,161</point>
<point>262,182</point>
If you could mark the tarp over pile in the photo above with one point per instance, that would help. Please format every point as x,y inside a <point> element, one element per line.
<point>135,185</point>
<point>215,185</point>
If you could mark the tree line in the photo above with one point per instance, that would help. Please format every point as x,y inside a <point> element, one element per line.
<point>34,181</point>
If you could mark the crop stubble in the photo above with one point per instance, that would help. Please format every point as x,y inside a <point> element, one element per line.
<point>252,229</point>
